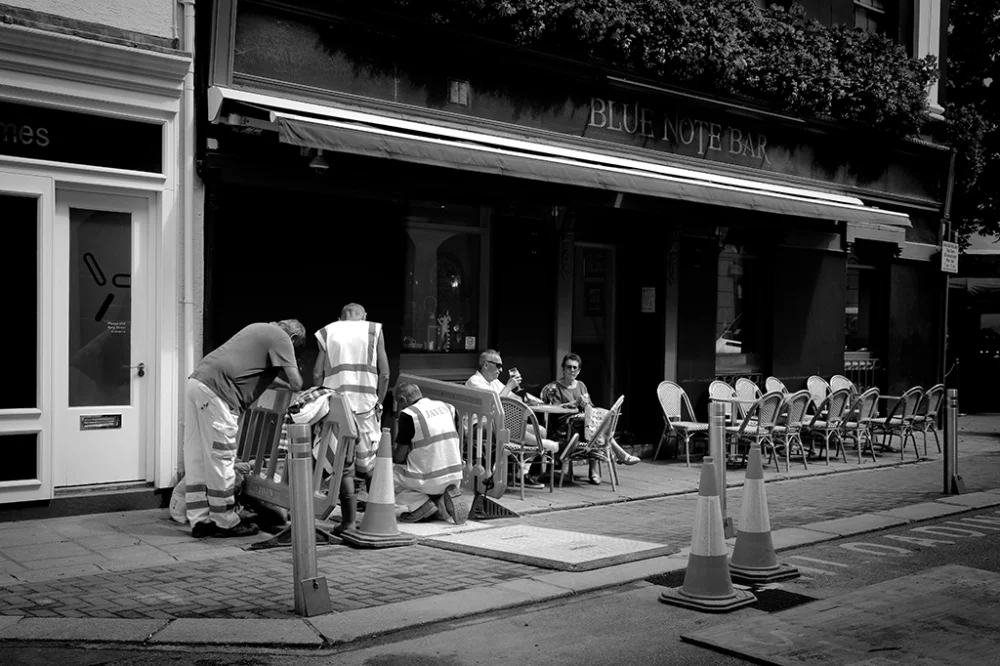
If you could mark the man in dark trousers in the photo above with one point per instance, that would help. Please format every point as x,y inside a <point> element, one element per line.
<point>224,384</point>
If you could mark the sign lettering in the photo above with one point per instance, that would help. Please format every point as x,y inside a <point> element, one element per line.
<point>676,129</point>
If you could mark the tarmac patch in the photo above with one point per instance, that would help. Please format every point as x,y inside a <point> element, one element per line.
<point>549,548</point>
<point>948,615</point>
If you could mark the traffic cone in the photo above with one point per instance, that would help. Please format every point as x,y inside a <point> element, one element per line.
<point>707,586</point>
<point>378,527</point>
<point>753,558</point>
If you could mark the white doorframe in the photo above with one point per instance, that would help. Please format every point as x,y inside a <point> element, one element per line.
<point>39,419</point>
<point>118,454</point>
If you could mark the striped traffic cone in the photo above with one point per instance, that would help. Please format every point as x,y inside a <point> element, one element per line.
<point>378,528</point>
<point>753,558</point>
<point>707,586</point>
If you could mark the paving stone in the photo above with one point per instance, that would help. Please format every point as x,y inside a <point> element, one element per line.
<point>868,522</point>
<point>972,500</point>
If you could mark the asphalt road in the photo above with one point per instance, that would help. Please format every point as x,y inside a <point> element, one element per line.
<point>623,626</point>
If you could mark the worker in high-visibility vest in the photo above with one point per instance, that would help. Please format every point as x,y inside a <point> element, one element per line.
<point>428,459</point>
<point>352,361</point>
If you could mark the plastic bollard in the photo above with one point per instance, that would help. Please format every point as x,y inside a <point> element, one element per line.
<point>717,449</point>
<point>311,594</point>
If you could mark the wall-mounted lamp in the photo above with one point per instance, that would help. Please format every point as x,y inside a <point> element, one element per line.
<point>318,163</point>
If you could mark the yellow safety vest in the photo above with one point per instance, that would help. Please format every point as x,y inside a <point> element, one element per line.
<point>435,458</point>
<point>352,361</point>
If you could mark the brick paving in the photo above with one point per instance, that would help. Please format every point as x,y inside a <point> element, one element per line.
<point>791,503</point>
<point>256,585</point>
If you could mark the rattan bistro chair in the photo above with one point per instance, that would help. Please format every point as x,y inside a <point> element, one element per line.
<point>599,446</point>
<point>760,419</point>
<point>719,389</point>
<point>517,417</point>
<point>858,422</point>
<point>748,391</point>
<point>775,384</point>
<point>827,420</point>
<point>673,401</point>
<point>925,419</point>
<point>900,421</point>
<point>819,388</point>
<point>840,381</point>
<point>787,432</point>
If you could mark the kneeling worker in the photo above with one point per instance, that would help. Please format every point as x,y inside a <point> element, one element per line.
<point>428,459</point>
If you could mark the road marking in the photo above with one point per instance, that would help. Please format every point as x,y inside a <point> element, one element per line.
<point>814,571</point>
<point>972,522</point>
<point>944,530</point>
<point>875,549</point>
<point>816,559</point>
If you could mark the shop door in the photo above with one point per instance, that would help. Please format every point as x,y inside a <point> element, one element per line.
<point>101,338</point>
<point>593,318</point>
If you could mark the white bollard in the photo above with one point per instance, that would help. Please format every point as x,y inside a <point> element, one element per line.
<point>311,594</point>
<point>717,449</point>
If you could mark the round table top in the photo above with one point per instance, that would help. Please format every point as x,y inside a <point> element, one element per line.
<point>553,409</point>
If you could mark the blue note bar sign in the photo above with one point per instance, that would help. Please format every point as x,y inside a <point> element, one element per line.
<point>101,422</point>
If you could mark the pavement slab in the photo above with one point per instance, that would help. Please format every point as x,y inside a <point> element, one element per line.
<point>924,511</point>
<point>791,537</point>
<point>549,548</point>
<point>291,633</point>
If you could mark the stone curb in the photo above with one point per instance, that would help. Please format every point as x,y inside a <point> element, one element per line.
<point>339,628</point>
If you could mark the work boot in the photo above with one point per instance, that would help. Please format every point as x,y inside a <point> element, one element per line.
<point>348,515</point>
<point>202,529</point>
<point>455,505</point>
<point>238,530</point>
<point>425,511</point>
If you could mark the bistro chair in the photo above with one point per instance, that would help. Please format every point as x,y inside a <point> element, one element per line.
<point>719,389</point>
<point>900,421</point>
<point>599,440</point>
<point>858,422</point>
<point>748,391</point>
<point>925,419</point>
<point>827,420</point>
<point>819,388</point>
<point>673,400</point>
<point>840,381</point>
<point>787,432</point>
<point>774,384</point>
<point>517,417</point>
<point>760,419</point>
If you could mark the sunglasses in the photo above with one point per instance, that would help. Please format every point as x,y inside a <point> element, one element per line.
<point>498,365</point>
<point>572,367</point>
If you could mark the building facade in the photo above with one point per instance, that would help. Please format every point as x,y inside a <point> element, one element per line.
<point>91,181</point>
<point>473,195</point>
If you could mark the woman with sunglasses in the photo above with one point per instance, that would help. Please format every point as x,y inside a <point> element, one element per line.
<point>569,391</point>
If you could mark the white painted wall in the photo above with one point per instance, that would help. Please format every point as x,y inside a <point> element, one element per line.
<point>927,39</point>
<point>152,17</point>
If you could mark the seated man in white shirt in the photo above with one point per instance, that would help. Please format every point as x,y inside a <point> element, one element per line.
<point>490,366</point>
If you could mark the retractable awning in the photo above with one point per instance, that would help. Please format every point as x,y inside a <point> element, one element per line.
<point>344,130</point>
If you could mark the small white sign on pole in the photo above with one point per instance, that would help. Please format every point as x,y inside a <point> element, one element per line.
<point>949,257</point>
<point>649,299</point>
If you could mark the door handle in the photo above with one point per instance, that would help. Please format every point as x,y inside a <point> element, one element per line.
<point>141,368</point>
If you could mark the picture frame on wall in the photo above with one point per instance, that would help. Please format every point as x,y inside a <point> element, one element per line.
<point>594,263</point>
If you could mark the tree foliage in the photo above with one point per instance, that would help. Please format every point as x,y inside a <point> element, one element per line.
<point>973,114</point>
<point>727,47</point>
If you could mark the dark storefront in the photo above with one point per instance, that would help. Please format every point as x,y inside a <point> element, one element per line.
<point>473,195</point>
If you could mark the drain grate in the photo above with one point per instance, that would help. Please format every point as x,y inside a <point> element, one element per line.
<point>769,600</point>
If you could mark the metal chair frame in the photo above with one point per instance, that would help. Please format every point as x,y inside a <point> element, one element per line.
<point>925,419</point>
<point>788,430</point>
<point>673,401</point>
<point>859,421</point>
<point>517,416</point>
<point>900,421</point>
<point>827,421</point>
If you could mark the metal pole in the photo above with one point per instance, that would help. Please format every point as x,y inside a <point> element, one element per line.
<point>946,236</point>
<point>311,594</point>
<point>717,449</point>
<point>953,483</point>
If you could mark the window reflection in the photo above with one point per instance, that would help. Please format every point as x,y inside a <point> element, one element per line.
<point>443,268</point>
<point>736,308</point>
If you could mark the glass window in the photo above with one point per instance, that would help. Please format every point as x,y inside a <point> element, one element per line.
<point>19,275</point>
<point>444,268</point>
<point>735,319</point>
<point>20,457</point>
<point>872,15</point>
<point>858,308</point>
<point>100,308</point>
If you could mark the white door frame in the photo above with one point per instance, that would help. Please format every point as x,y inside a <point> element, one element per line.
<point>39,419</point>
<point>144,339</point>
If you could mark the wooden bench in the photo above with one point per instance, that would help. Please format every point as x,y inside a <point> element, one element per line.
<point>259,440</point>
<point>485,474</point>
